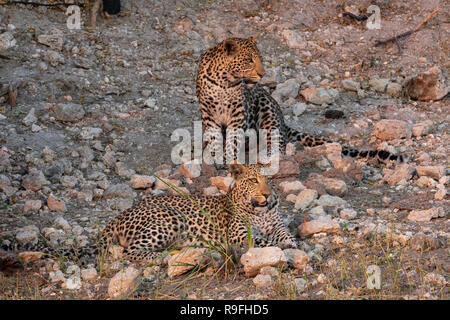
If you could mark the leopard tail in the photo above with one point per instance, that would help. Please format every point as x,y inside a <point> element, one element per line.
<point>308,140</point>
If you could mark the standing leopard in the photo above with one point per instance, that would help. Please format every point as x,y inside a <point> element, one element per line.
<point>232,100</point>
<point>159,222</point>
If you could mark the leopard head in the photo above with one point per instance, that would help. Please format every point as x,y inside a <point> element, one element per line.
<point>232,61</point>
<point>251,190</point>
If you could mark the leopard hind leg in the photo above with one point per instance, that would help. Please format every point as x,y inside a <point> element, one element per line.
<point>154,236</point>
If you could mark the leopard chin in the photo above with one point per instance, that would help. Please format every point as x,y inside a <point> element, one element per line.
<point>259,204</point>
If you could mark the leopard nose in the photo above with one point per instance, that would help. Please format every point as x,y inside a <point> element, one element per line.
<point>261,73</point>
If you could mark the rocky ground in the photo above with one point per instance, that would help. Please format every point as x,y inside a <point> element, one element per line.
<point>83,115</point>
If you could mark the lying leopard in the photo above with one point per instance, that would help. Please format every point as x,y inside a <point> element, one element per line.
<point>231,100</point>
<point>159,222</point>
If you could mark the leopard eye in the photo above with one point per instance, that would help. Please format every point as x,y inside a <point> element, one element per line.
<point>253,180</point>
<point>247,61</point>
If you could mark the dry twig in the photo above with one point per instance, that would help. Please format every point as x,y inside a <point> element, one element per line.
<point>407,33</point>
<point>37,4</point>
<point>12,95</point>
<point>49,284</point>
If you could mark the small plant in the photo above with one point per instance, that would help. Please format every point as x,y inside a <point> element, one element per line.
<point>3,205</point>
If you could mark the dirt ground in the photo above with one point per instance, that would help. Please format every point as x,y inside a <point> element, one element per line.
<point>134,78</point>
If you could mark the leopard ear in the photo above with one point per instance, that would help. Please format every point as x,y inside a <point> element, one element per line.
<point>231,47</point>
<point>237,169</point>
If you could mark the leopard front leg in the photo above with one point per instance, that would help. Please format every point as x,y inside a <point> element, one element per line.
<point>235,144</point>
<point>243,236</point>
<point>273,228</point>
<point>212,142</point>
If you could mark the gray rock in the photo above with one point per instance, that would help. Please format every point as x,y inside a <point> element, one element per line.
<point>399,176</point>
<point>426,215</point>
<point>351,85</point>
<point>53,39</point>
<point>89,133</point>
<point>72,283</point>
<point>34,181</point>
<point>318,225</point>
<point>68,181</point>
<point>289,254</point>
<point>317,211</point>
<point>423,242</point>
<point>28,234</point>
<point>331,201</point>
<point>272,76</point>
<point>89,274</point>
<point>394,89</point>
<point>77,230</point>
<point>83,63</point>
<point>299,109</point>
<point>123,171</point>
<point>191,169</point>
<point>120,190</point>
<point>300,284</point>
<point>287,89</point>
<point>9,191</point>
<point>348,214</point>
<point>53,170</point>
<point>56,276</point>
<point>262,281</point>
<point>4,181</point>
<point>305,198</point>
<point>61,223</point>
<point>55,236</point>
<point>68,112</point>
<point>48,154</point>
<point>30,118</point>
<point>123,282</point>
<point>379,85</point>
<point>86,153</point>
<point>186,260</point>
<point>54,58</point>
<point>320,96</point>
<point>120,204</point>
<point>42,66</point>
<point>142,181</point>
<point>73,270</point>
<point>300,260</point>
<point>109,158</point>
<point>32,206</point>
<point>146,93</point>
<point>151,103</point>
<point>103,184</point>
<point>256,258</point>
<point>7,41</point>
<point>294,39</point>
